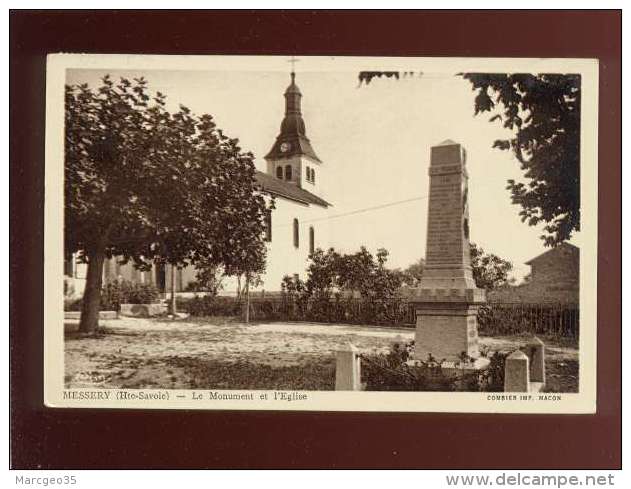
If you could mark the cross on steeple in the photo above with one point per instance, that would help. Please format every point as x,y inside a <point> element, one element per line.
<point>293,60</point>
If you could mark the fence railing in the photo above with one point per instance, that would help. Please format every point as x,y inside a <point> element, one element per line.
<point>350,311</point>
<point>560,320</point>
<point>554,319</point>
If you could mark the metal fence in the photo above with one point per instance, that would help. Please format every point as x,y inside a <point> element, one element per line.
<point>349,311</point>
<point>554,319</point>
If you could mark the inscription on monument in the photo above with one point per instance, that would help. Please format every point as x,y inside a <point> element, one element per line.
<point>446,213</point>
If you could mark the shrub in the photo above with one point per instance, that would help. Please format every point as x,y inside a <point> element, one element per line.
<point>210,306</point>
<point>268,309</point>
<point>390,372</point>
<point>125,292</point>
<point>114,294</point>
<point>207,279</point>
<point>494,373</point>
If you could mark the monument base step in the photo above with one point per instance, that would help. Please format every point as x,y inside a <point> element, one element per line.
<point>536,387</point>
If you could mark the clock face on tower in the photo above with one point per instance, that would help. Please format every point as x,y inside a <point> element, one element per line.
<point>284,147</point>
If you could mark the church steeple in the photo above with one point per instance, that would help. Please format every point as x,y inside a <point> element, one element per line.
<point>292,140</point>
<point>292,97</point>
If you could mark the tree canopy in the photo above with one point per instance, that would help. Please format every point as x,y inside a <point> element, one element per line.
<point>412,274</point>
<point>489,270</point>
<point>543,111</point>
<point>146,185</point>
<point>361,272</point>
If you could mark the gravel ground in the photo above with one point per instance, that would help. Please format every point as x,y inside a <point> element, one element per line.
<point>151,353</point>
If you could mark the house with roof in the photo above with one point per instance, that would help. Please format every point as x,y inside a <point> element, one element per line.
<point>554,278</point>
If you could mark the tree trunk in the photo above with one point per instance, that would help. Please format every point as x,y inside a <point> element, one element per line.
<point>247,298</point>
<point>92,294</point>
<point>173,307</point>
<point>239,287</point>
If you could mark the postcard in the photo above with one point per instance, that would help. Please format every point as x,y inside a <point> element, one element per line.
<point>321,233</point>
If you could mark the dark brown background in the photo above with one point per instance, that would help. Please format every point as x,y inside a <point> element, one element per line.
<point>50,438</point>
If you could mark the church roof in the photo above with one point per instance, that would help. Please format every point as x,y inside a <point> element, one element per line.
<point>274,186</point>
<point>298,144</point>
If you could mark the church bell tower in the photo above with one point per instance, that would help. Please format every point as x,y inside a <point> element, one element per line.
<point>292,159</point>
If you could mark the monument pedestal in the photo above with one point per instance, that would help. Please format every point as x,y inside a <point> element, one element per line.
<point>446,324</point>
<point>447,332</point>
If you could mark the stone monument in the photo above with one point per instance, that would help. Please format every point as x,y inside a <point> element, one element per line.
<point>447,299</point>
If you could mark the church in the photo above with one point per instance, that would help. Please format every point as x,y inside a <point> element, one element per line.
<point>295,177</point>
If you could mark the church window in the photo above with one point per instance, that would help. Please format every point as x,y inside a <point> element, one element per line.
<point>268,226</point>
<point>296,234</point>
<point>312,175</point>
<point>279,172</point>
<point>308,174</point>
<point>311,240</point>
<point>288,172</point>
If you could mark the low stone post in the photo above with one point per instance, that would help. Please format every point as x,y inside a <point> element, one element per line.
<point>538,361</point>
<point>517,372</point>
<point>348,370</point>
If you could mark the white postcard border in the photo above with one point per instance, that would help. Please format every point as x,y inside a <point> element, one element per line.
<point>54,392</point>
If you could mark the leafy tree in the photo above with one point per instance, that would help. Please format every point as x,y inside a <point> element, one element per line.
<point>355,272</point>
<point>330,272</point>
<point>149,186</point>
<point>543,111</point>
<point>489,270</point>
<point>368,275</point>
<point>322,274</point>
<point>207,279</point>
<point>292,286</point>
<point>412,274</point>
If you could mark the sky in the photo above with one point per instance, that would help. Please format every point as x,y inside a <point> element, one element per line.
<point>374,142</point>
